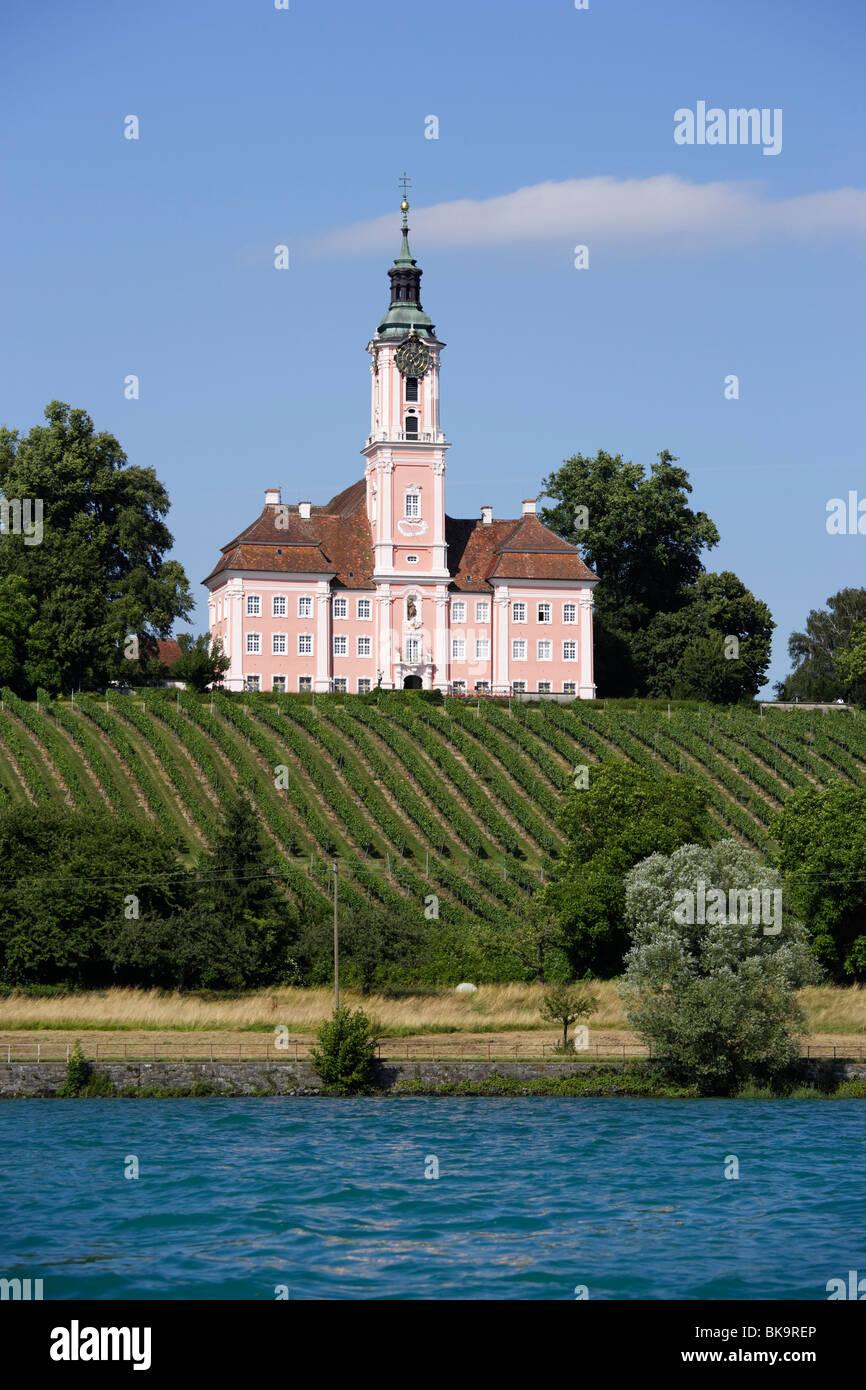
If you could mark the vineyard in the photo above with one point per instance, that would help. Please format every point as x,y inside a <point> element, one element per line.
<point>410,798</point>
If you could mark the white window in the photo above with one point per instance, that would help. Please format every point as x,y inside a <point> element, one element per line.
<point>569,612</point>
<point>545,651</point>
<point>364,685</point>
<point>365,609</point>
<point>413,505</point>
<point>482,649</point>
<point>305,607</point>
<point>305,644</point>
<point>341,608</point>
<point>458,649</point>
<point>482,687</point>
<point>518,651</point>
<point>278,684</point>
<point>411,559</point>
<point>518,612</point>
<point>365,646</point>
<point>341,646</point>
<point>254,643</point>
<point>458,687</point>
<point>254,606</point>
<point>518,687</point>
<point>569,688</point>
<point>544,687</point>
<point>279,607</point>
<point>413,649</point>
<point>253,683</point>
<point>279,645</point>
<point>569,651</point>
<point>482,612</point>
<point>305,682</point>
<point>340,685</point>
<point>544,613</point>
<point>458,612</point>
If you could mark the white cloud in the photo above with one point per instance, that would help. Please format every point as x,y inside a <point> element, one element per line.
<point>662,211</point>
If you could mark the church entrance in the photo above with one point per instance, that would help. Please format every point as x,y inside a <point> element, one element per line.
<point>412,683</point>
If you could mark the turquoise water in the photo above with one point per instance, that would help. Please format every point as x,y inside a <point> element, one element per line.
<point>534,1197</point>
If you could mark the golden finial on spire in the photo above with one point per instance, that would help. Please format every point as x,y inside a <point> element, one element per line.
<point>406,183</point>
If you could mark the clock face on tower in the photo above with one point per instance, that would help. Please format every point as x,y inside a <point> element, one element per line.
<point>412,357</point>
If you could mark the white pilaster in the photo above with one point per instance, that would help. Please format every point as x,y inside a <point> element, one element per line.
<point>323,635</point>
<point>440,638</point>
<point>586,687</point>
<point>500,641</point>
<point>235,642</point>
<point>384,650</point>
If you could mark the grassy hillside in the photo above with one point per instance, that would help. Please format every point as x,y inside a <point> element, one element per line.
<point>411,798</point>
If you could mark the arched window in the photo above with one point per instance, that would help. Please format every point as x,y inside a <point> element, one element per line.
<point>411,388</point>
<point>411,426</point>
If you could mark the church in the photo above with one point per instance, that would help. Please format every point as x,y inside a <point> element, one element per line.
<point>379,586</point>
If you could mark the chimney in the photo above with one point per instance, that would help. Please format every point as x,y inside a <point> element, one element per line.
<point>486,515</point>
<point>304,510</point>
<point>272,496</point>
<point>529,506</point>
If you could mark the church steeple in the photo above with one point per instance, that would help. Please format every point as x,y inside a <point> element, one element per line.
<point>405,311</point>
<point>405,449</point>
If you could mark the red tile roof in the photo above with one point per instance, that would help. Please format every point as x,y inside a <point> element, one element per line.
<point>335,540</point>
<point>168,650</point>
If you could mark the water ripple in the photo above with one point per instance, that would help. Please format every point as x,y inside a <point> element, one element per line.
<point>534,1197</point>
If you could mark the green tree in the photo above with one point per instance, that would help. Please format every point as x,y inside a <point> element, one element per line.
<point>567,1004</point>
<point>201,662</point>
<point>689,654</point>
<point>533,939</point>
<point>625,814</point>
<point>238,890</point>
<point>68,882</point>
<point>821,836</point>
<point>192,949</point>
<point>373,944</point>
<point>346,1054</point>
<point>641,538</point>
<point>17,616</point>
<point>99,572</point>
<point>715,999</point>
<point>850,665</point>
<point>830,635</point>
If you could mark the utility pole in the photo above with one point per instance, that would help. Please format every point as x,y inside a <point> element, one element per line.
<point>336,943</point>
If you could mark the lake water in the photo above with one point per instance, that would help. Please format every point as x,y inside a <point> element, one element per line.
<point>534,1198</point>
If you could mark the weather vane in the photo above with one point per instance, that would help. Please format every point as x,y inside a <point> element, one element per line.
<point>405,182</point>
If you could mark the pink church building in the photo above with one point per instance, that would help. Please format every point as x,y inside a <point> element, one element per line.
<point>380,586</point>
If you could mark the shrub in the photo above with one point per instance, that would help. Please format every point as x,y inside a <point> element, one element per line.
<point>714,998</point>
<point>82,1080</point>
<point>347,1051</point>
<point>78,1071</point>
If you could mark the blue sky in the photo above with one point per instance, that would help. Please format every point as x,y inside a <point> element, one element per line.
<point>261,127</point>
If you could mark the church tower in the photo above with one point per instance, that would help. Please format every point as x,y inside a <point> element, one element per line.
<point>405,450</point>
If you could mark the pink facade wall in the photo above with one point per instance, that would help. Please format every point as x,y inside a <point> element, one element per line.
<point>388,632</point>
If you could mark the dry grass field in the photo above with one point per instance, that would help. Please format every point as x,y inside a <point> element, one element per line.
<point>498,1020</point>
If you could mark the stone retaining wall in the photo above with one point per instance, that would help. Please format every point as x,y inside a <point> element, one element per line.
<point>22,1079</point>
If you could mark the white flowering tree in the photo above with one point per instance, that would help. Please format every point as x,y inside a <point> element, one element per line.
<point>714,965</point>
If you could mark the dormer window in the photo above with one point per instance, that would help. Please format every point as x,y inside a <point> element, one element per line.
<point>411,388</point>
